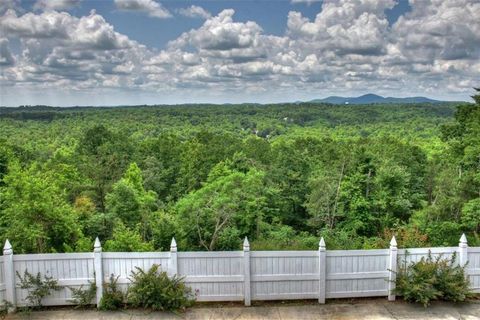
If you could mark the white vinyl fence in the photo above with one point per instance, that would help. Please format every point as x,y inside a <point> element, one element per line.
<point>235,275</point>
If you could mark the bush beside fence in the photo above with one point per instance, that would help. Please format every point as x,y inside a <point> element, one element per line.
<point>235,275</point>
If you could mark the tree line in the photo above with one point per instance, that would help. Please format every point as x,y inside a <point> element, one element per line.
<point>283,175</point>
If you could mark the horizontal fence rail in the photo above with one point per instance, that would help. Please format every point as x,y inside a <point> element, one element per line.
<point>234,275</point>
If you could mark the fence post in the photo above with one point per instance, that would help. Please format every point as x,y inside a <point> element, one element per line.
<point>98,267</point>
<point>246,273</point>
<point>392,269</point>
<point>173,267</point>
<point>9,276</point>
<point>322,268</point>
<point>463,251</point>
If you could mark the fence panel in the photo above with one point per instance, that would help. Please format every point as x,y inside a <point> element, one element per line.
<point>357,273</point>
<point>235,275</point>
<point>69,269</point>
<point>284,275</point>
<point>2,282</point>
<point>121,264</point>
<point>473,268</point>
<point>415,254</point>
<point>213,276</point>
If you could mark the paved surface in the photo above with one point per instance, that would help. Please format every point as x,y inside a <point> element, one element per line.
<point>370,309</point>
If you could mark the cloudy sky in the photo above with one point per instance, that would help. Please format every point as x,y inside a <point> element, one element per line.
<point>110,52</point>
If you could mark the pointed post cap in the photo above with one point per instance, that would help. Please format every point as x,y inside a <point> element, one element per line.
<point>321,244</point>
<point>393,242</point>
<point>173,245</point>
<point>7,248</point>
<point>97,247</point>
<point>463,239</point>
<point>246,245</point>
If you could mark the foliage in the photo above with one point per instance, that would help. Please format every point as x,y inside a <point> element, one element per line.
<point>230,199</point>
<point>35,215</point>
<point>432,279</point>
<point>209,175</point>
<point>154,289</point>
<point>281,237</point>
<point>113,298</point>
<point>126,240</point>
<point>37,288</point>
<point>164,226</point>
<point>84,297</point>
<point>4,306</point>
<point>128,200</point>
<point>408,236</point>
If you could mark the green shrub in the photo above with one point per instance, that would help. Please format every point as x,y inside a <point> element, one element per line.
<point>84,297</point>
<point>154,289</point>
<point>4,306</point>
<point>432,279</point>
<point>36,287</point>
<point>113,297</point>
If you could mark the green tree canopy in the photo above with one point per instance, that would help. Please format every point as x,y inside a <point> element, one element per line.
<point>230,203</point>
<point>35,214</point>
<point>130,202</point>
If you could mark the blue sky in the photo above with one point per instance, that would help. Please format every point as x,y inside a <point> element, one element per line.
<point>74,52</point>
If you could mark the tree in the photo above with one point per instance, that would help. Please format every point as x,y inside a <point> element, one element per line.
<point>103,156</point>
<point>126,240</point>
<point>455,186</point>
<point>35,215</point>
<point>391,196</point>
<point>289,172</point>
<point>5,155</point>
<point>354,174</point>
<point>324,199</point>
<point>229,200</point>
<point>160,161</point>
<point>200,154</point>
<point>471,215</point>
<point>130,202</point>
<point>163,227</point>
<point>476,97</point>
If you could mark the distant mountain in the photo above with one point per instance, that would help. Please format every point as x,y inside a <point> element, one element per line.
<point>373,98</point>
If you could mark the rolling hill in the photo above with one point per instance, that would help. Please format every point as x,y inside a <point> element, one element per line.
<point>373,98</point>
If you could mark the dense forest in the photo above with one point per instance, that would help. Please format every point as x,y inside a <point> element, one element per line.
<point>283,175</point>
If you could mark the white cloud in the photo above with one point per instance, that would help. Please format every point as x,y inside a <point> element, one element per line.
<point>344,26</point>
<point>6,57</point>
<point>59,49</point>
<point>221,33</point>
<point>445,30</point>
<point>150,7</point>
<point>195,12</point>
<point>10,4</point>
<point>57,5</point>
<point>349,48</point>
<point>30,25</point>
<point>90,31</point>
<point>94,32</point>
